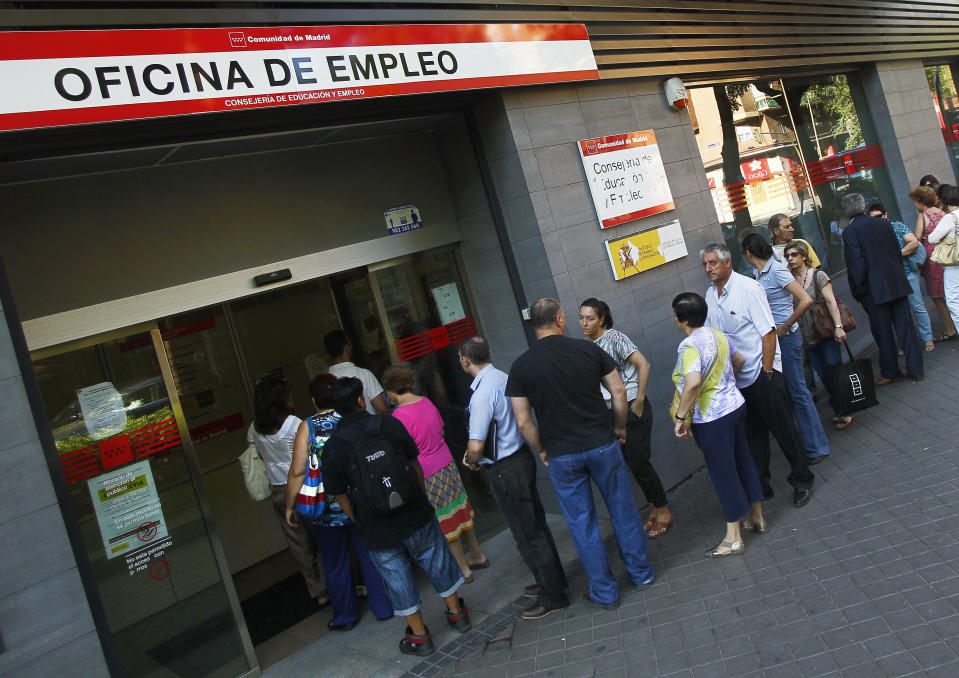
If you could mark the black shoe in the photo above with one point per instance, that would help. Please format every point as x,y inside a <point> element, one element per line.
<point>768,493</point>
<point>609,607</point>
<point>459,620</point>
<point>532,591</point>
<point>342,627</point>
<point>420,646</point>
<point>801,496</point>
<point>536,611</point>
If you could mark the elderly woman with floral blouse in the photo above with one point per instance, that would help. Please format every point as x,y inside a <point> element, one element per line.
<point>713,409</point>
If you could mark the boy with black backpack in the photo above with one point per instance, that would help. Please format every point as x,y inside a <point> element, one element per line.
<point>370,464</point>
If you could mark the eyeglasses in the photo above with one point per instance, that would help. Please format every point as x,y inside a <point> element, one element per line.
<point>791,255</point>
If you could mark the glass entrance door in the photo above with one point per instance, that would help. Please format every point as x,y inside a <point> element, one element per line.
<point>793,147</point>
<point>133,483</point>
<point>945,98</point>
<point>426,312</point>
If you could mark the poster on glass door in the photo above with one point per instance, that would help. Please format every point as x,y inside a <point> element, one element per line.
<point>128,508</point>
<point>626,177</point>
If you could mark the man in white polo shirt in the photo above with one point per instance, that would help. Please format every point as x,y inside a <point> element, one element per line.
<point>738,307</point>
<point>338,345</point>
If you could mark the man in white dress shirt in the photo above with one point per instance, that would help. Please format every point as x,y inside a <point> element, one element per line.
<point>739,308</point>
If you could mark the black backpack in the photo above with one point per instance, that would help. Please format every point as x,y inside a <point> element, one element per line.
<point>381,480</point>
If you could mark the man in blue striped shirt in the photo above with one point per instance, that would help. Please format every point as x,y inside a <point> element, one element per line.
<point>511,468</point>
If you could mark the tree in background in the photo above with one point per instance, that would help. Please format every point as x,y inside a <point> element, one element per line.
<point>832,98</point>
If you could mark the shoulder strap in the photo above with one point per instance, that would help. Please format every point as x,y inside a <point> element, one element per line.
<point>815,281</point>
<point>350,435</point>
<point>375,423</point>
<point>719,346</point>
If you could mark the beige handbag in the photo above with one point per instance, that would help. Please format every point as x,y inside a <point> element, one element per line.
<point>947,249</point>
<point>254,474</point>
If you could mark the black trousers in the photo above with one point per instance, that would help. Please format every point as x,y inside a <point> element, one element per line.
<point>514,485</point>
<point>768,411</point>
<point>637,451</point>
<point>886,322</point>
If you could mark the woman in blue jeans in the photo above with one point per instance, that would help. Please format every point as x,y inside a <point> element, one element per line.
<point>822,352</point>
<point>788,302</point>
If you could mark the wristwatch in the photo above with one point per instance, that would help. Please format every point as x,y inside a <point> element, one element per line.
<point>769,374</point>
<point>839,327</point>
<point>678,418</point>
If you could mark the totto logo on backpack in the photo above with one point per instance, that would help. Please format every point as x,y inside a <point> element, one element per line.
<point>382,481</point>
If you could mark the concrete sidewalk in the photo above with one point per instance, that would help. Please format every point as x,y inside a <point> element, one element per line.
<point>864,581</point>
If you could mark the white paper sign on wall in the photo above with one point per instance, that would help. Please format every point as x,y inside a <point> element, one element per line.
<point>626,177</point>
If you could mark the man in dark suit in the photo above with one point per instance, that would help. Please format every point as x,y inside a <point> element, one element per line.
<point>878,282</point>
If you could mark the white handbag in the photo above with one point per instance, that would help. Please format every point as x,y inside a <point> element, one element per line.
<point>254,474</point>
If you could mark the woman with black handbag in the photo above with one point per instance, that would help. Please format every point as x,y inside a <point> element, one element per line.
<point>822,349</point>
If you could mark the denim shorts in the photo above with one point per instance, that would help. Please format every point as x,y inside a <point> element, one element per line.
<point>426,548</point>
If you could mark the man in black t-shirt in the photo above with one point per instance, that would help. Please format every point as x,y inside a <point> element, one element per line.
<point>408,536</point>
<point>578,439</point>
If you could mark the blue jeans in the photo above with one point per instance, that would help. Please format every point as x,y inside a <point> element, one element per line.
<point>427,548</point>
<point>918,306</point>
<point>810,427</point>
<point>571,474</point>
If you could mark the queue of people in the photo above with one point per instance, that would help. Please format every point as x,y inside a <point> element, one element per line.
<point>394,496</point>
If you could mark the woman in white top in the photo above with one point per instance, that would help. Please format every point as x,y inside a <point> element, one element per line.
<point>948,227</point>
<point>273,432</point>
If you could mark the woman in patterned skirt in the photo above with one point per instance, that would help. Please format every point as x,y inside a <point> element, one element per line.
<point>444,487</point>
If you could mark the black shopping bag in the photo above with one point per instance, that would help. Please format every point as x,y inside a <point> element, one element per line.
<point>852,386</point>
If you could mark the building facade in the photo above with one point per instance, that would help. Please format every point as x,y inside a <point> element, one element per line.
<point>135,324</point>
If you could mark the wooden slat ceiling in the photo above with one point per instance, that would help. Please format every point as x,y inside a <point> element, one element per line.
<point>631,38</point>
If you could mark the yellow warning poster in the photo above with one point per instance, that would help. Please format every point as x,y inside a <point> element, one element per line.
<point>642,251</point>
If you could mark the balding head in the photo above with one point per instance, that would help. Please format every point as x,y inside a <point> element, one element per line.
<point>544,313</point>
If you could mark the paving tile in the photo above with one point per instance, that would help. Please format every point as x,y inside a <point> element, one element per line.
<point>899,664</point>
<point>936,654</point>
<point>917,636</point>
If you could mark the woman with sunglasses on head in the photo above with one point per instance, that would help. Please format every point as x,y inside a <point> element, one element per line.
<point>822,352</point>
<point>596,323</point>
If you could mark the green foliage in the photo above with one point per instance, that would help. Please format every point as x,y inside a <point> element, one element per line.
<point>832,98</point>
<point>946,82</point>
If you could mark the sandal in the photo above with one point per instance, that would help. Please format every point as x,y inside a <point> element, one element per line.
<point>648,523</point>
<point>930,346</point>
<point>835,419</point>
<point>845,423</point>
<point>658,529</point>
<point>482,565</point>
<point>945,337</point>
<point>736,548</point>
